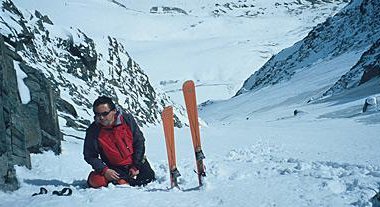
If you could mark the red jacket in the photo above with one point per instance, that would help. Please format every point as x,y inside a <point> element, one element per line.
<point>118,145</point>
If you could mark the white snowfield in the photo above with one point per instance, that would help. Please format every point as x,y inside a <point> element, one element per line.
<point>258,153</point>
<point>290,161</point>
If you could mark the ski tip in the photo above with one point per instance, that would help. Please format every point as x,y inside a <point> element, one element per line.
<point>167,113</point>
<point>168,108</point>
<point>188,83</point>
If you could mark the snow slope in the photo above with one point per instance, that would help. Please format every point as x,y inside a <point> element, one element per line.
<point>219,52</point>
<point>257,152</point>
<point>274,159</point>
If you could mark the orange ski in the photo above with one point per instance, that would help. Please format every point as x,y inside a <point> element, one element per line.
<point>188,89</point>
<point>168,124</point>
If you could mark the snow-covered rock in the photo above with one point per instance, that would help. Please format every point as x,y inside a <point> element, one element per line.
<point>355,28</point>
<point>80,67</point>
<point>366,69</point>
<point>253,8</point>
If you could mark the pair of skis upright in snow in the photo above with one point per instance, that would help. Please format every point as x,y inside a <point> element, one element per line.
<point>188,89</point>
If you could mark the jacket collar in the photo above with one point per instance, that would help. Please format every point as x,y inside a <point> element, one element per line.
<point>118,119</point>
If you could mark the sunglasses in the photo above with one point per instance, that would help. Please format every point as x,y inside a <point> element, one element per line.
<point>102,114</point>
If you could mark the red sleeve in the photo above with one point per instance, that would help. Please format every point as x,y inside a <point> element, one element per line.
<point>104,170</point>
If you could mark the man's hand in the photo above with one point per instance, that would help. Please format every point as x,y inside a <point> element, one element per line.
<point>111,175</point>
<point>133,172</point>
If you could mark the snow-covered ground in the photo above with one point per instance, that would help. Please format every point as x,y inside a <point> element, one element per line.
<point>257,152</point>
<point>266,161</point>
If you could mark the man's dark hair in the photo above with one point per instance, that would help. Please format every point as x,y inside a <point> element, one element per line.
<point>103,100</point>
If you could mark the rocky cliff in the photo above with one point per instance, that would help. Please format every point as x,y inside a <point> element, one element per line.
<point>26,127</point>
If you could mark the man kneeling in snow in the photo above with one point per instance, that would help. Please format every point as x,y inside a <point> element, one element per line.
<point>371,101</point>
<point>114,147</point>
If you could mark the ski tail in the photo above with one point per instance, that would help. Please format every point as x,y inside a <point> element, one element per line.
<point>168,124</point>
<point>188,89</point>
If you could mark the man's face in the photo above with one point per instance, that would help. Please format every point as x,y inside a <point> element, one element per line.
<point>104,115</point>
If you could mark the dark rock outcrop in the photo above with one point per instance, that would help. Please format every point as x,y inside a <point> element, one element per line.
<point>167,10</point>
<point>24,127</point>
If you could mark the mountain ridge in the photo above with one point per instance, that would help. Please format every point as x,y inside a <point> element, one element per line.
<point>339,34</point>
